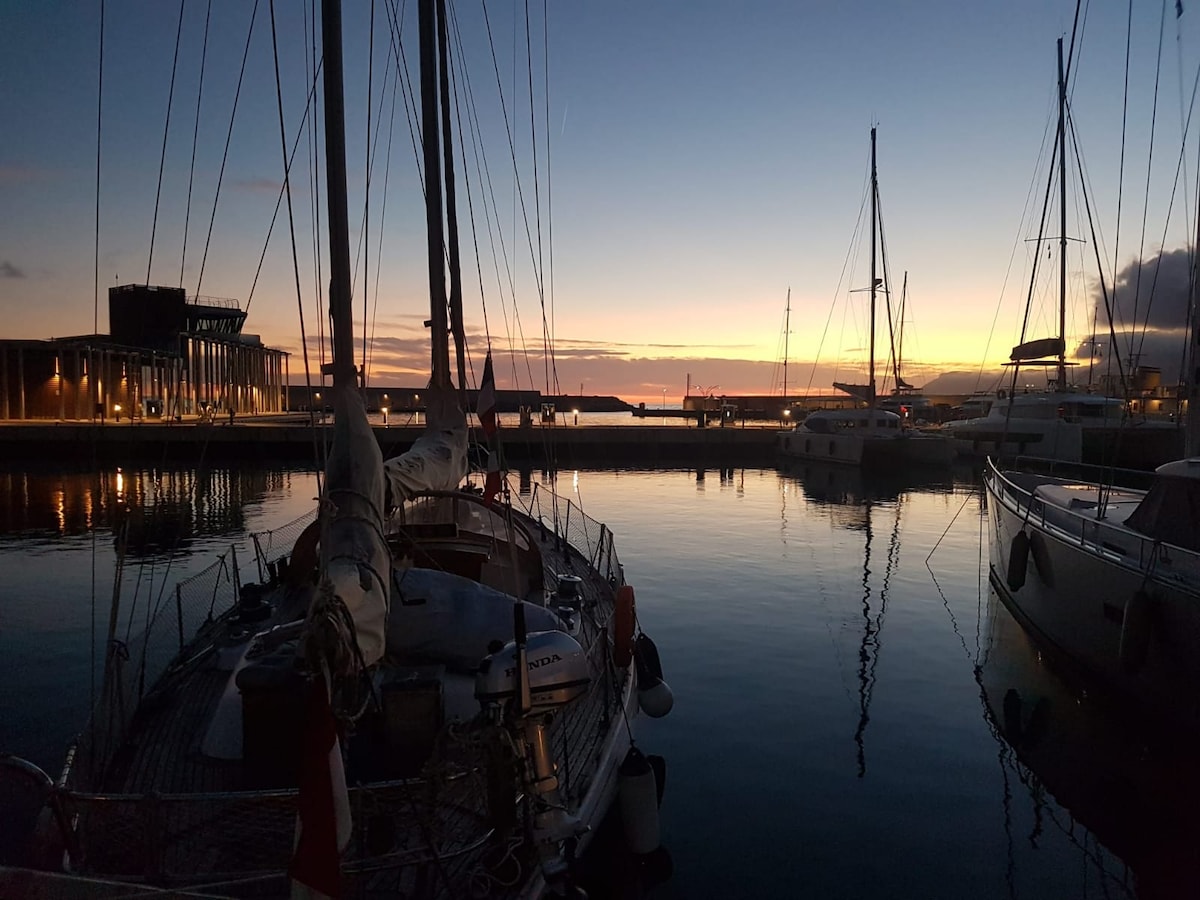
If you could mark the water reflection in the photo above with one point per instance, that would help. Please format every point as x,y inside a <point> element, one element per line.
<point>1135,789</point>
<point>153,511</point>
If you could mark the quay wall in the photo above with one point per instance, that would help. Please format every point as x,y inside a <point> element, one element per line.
<point>187,443</point>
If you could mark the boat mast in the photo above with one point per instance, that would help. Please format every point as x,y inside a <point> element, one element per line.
<point>1062,222</point>
<point>874,229</point>
<point>439,337</point>
<point>456,302</point>
<point>340,317</point>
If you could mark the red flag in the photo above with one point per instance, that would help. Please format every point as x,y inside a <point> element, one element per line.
<point>493,481</point>
<point>323,807</point>
<point>485,405</point>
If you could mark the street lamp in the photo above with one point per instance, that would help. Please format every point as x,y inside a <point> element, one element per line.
<point>384,411</point>
<point>117,410</point>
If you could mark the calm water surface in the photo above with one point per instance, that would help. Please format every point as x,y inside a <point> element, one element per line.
<point>838,663</point>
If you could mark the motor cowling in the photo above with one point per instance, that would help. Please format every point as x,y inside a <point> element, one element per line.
<point>558,671</point>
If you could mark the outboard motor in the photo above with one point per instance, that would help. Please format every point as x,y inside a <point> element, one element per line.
<point>556,667</point>
<point>525,683</point>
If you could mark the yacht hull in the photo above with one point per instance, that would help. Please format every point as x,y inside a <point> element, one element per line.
<point>1122,607</point>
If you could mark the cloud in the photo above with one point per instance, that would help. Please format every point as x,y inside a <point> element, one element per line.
<point>8,270</point>
<point>1150,306</point>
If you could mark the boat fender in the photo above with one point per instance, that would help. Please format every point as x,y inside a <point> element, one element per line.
<point>1135,632</point>
<point>654,695</point>
<point>624,620</point>
<point>659,765</point>
<point>638,799</point>
<point>1018,561</point>
<point>305,556</point>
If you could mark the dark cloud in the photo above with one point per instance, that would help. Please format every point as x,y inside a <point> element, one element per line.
<point>8,270</point>
<point>1150,308</point>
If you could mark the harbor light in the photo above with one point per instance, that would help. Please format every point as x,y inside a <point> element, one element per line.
<point>117,411</point>
<point>576,412</point>
<point>384,410</point>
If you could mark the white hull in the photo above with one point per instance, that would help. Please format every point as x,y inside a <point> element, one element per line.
<point>853,449</point>
<point>1088,585</point>
<point>1048,439</point>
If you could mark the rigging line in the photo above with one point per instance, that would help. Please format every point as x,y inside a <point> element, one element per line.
<point>1121,163</point>
<point>547,340</point>
<point>1150,157</point>
<point>225,156</point>
<point>1109,302</point>
<point>287,188</point>
<point>366,242</point>
<point>887,294</point>
<point>549,180</point>
<point>365,223</point>
<point>1029,196</point>
<point>513,155</point>
<point>514,330</point>
<point>314,194</point>
<point>847,263</point>
<point>162,161</point>
<point>1179,172</point>
<point>1183,119</point>
<point>187,215</point>
<point>387,170</point>
<point>284,188</point>
<point>96,329</point>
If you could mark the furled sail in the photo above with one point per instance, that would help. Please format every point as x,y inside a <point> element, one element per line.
<point>1039,349</point>
<point>355,561</point>
<point>437,460</point>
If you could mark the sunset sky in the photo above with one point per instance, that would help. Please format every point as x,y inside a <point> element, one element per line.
<point>703,159</point>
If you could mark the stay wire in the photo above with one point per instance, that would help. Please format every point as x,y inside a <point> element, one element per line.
<point>287,189</point>
<point>514,331</point>
<point>1137,289</point>
<point>366,242</point>
<point>166,131</point>
<point>187,215</point>
<point>95,329</point>
<point>225,155</point>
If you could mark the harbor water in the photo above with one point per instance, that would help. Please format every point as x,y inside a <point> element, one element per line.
<point>856,715</point>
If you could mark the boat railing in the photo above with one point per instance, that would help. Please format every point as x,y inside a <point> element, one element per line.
<point>222,840</point>
<point>1082,528</point>
<point>591,538</point>
<point>177,622</point>
<point>275,544</point>
<point>1080,471</point>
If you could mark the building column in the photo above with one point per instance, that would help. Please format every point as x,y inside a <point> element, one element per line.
<point>20,383</point>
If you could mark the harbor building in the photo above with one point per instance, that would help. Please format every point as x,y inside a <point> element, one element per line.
<point>166,356</point>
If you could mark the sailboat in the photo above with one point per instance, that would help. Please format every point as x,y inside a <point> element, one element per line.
<point>431,694</point>
<point>1050,423</point>
<point>867,436</point>
<point>1108,575</point>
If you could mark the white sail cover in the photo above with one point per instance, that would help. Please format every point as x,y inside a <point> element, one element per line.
<point>437,460</point>
<point>355,562</point>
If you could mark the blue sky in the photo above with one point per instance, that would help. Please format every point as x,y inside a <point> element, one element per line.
<point>704,158</point>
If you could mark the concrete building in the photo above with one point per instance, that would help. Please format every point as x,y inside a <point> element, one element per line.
<point>165,356</point>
